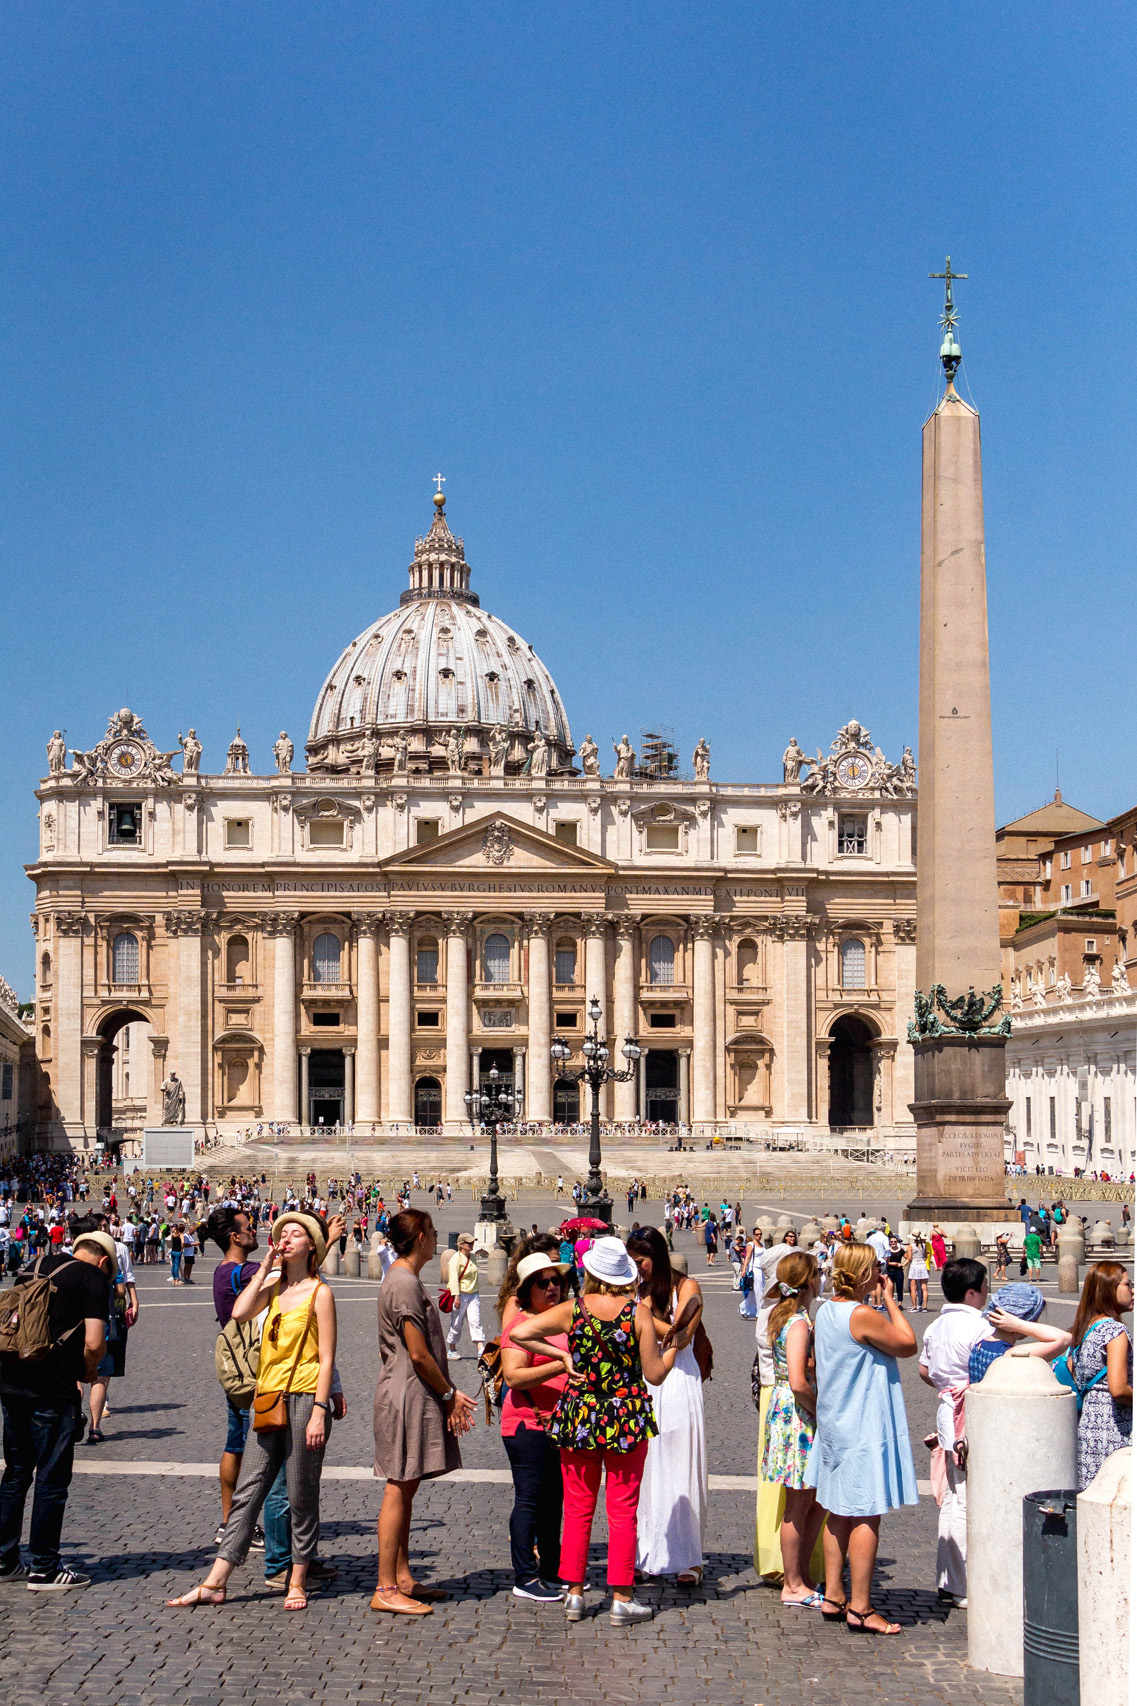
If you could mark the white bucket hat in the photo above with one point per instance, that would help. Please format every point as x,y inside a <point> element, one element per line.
<point>536,1264</point>
<point>609,1262</point>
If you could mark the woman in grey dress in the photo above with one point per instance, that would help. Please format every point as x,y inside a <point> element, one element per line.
<point>419,1413</point>
<point>1101,1360</point>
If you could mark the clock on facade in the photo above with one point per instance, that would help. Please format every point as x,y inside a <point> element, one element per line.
<point>126,759</point>
<point>854,770</point>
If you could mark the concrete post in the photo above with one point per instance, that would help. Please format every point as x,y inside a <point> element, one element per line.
<point>810,1233</point>
<point>1022,1435</point>
<point>1071,1254</point>
<point>967,1242</point>
<point>330,1266</point>
<point>374,1260</point>
<point>1105,1551</point>
<point>351,1259</point>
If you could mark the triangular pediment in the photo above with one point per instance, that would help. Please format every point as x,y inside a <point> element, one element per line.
<point>498,842</point>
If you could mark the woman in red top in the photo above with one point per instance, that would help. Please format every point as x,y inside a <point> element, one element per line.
<point>532,1390</point>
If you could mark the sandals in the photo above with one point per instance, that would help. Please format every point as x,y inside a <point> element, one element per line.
<point>200,1595</point>
<point>810,1602</point>
<point>382,1600</point>
<point>839,1612</point>
<point>296,1599</point>
<point>692,1578</point>
<point>861,1626</point>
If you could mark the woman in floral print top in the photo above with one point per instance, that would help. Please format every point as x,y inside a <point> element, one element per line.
<point>604,1418</point>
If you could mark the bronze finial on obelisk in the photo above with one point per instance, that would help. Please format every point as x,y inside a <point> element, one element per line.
<point>958,1032</point>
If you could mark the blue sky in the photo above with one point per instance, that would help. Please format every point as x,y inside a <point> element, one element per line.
<point>648,283</point>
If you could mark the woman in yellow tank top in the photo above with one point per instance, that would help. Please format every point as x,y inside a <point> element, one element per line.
<point>298,1353</point>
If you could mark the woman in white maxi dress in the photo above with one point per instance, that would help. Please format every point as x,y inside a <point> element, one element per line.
<point>673,1497</point>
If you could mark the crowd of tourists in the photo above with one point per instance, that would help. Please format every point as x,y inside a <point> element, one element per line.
<point>593,1372</point>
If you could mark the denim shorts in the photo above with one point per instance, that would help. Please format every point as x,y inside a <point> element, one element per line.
<point>238,1429</point>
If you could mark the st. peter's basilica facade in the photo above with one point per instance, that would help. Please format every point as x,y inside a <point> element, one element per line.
<point>443,889</point>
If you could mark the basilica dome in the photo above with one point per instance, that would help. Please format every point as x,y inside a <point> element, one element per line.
<point>439,684</point>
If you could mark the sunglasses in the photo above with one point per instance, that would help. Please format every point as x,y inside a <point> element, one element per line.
<point>274,1331</point>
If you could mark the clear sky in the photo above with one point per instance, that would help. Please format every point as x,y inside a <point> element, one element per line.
<point>648,283</point>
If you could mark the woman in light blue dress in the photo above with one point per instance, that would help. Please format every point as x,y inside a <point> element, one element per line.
<point>861,1462</point>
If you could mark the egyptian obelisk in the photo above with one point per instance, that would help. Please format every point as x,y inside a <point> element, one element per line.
<point>959,1031</point>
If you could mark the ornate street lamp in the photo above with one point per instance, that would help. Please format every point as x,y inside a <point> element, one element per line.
<point>595,1072</point>
<point>491,1107</point>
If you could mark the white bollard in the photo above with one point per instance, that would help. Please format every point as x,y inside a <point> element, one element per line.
<point>1105,1535</point>
<point>1022,1428</point>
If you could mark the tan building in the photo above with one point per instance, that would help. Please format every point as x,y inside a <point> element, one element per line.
<point>442,890</point>
<point>16,1073</point>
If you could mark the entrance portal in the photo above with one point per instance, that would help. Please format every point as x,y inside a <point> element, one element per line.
<point>566,1102</point>
<point>850,1073</point>
<point>661,1086</point>
<point>502,1058</point>
<point>325,1086</point>
<point>428,1102</point>
<point>104,1066</point>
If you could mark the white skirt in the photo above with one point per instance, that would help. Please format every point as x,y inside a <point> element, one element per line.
<point>673,1496</point>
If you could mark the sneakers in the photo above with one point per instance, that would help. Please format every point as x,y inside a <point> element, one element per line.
<point>630,1611</point>
<point>59,1582</point>
<point>548,1592</point>
<point>257,1543</point>
<point>574,1607</point>
<point>453,1355</point>
<point>279,1582</point>
<point>16,1573</point>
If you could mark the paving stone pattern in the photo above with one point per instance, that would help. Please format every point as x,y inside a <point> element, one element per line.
<point>730,1642</point>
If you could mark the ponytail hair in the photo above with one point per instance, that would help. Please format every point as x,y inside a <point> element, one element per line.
<point>790,1292</point>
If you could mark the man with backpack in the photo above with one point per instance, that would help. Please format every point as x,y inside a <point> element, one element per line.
<point>53,1332</point>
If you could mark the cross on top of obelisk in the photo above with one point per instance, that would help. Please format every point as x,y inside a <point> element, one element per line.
<point>950,353</point>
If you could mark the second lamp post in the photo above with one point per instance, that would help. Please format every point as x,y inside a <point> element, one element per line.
<point>493,1106</point>
<point>595,1072</point>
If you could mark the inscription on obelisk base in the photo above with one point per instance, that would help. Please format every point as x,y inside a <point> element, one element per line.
<point>960,1112</point>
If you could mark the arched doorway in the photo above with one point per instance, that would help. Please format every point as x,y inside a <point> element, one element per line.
<point>850,1072</point>
<point>108,1030</point>
<point>428,1102</point>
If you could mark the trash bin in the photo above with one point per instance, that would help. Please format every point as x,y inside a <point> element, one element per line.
<point>451,1240</point>
<point>1050,1599</point>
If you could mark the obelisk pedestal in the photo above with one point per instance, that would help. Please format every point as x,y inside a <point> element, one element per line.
<point>958,1035</point>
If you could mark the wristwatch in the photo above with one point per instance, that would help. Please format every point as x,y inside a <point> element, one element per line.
<point>446,1396</point>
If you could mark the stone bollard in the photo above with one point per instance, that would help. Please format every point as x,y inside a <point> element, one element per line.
<point>496,1263</point>
<point>785,1220</point>
<point>830,1223</point>
<point>767,1225</point>
<point>810,1233</point>
<point>374,1260</point>
<point>1022,1428</point>
<point>1071,1255</point>
<point>1124,1237</point>
<point>967,1242</point>
<point>862,1229</point>
<point>1102,1235</point>
<point>1105,1533</point>
<point>331,1263</point>
<point>351,1260</point>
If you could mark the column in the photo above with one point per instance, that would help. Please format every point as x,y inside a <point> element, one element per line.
<point>883,1056</point>
<point>595,970</point>
<point>519,1078</point>
<point>189,1060</point>
<point>821,1098</point>
<point>367,1016</point>
<point>540,1020</point>
<point>91,1051</point>
<point>67,1063</point>
<point>703,1052</point>
<point>349,1087</point>
<point>305,1107</point>
<point>399,1097</point>
<point>684,1086</point>
<point>475,1069</point>
<point>796,1025</point>
<point>281,926</point>
<point>624,1015</point>
<point>641,1085</point>
<point>457,1023</point>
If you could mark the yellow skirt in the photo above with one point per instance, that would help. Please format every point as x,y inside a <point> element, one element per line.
<point>771,1510</point>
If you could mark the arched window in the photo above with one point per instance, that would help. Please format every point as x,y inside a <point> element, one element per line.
<point>124,958</point>
<point>495,959</point>
<point>661,960</point>
<point>564,967</point>
<point>747,963</point>
<point>326,952</point>
<point>237,960</point>
<point>426,962</point>
<point>853,963</point>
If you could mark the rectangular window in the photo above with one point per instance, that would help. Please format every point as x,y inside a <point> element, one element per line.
<point>1067,858</point>
<point>428,1020</point>
<point>1106,849</point>
<point>566,1021</point>
<point>565,832</point>
<point>852,833</point>
<point>1067,892</point>
<point>238,832</point>
<point>1087,855</point>
<point>426,965</point>
<point>1048,868</point>
<point>1053,1120</point>
<point>426,829</point>
<point>746,838</point>
<point>1091,944</point>
<point>662,1021</point>
<point>124,823</point>
<point>564,965</point>
<point>1087,888</point>
<point>325,832</point>
<point>7,1082</point>
<point>327,1021</point>
<point>662,838</point>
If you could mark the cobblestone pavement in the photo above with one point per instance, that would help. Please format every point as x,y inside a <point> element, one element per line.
<point>144,1533</point>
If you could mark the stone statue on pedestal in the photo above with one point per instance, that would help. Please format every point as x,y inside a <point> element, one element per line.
<point>1119,984</point>
<point>792,760</point>
<point>538,761</point>
<point>282,752</point>
<point>191,753</point>
<point>173,1100</point>
<point>625,759</point>
<point>57,753</point>
<point>499,746</point>
<point>590,757</point>
<point>401,747</point>
<point>701,759</point>
<point>455,743</point>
